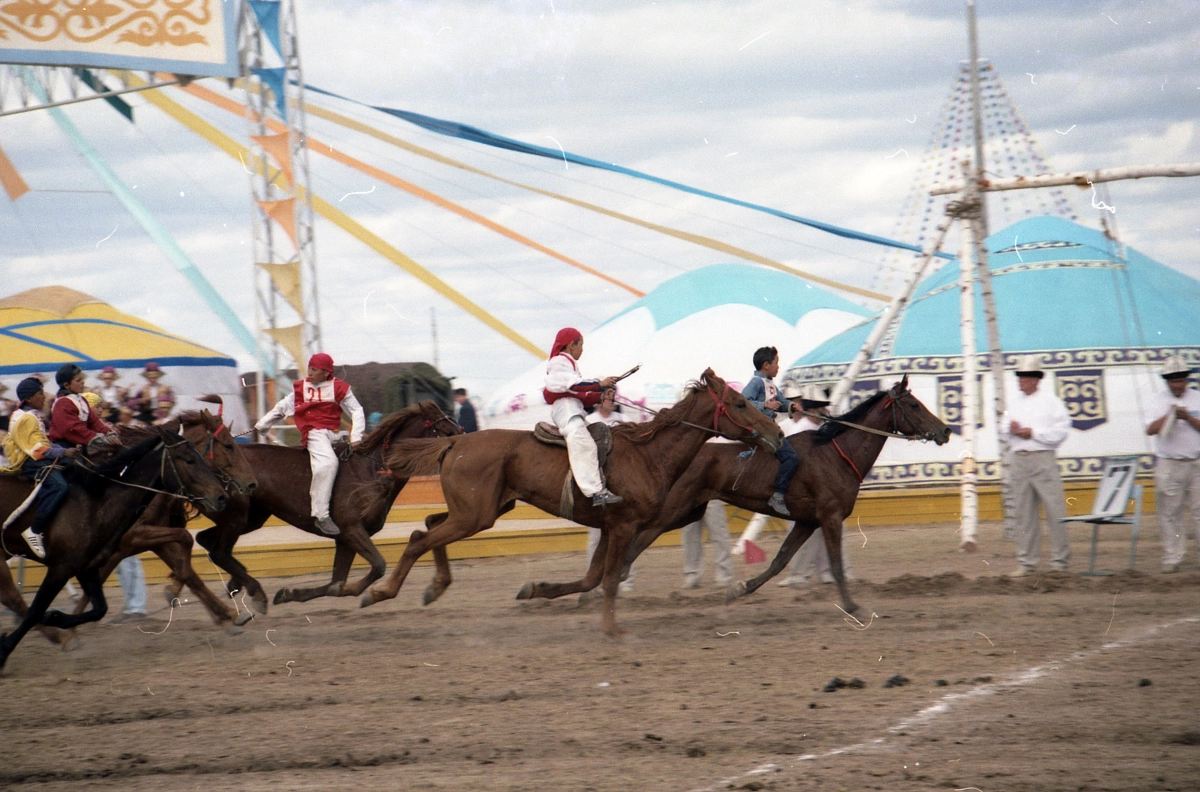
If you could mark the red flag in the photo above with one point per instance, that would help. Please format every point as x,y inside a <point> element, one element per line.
<point>755,554</point>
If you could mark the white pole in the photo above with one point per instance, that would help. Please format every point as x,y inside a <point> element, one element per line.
<point>886,319</point>
<point>969,509</point>
<point>1079,178</point>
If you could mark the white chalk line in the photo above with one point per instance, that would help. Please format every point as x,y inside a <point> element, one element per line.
<point>947,702</point>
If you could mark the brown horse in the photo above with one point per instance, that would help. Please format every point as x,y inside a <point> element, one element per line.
<point>284,476</point>
<point>162,527</point>
<point>833,462</point>
<point>484,474</point>
<point>88,526</point>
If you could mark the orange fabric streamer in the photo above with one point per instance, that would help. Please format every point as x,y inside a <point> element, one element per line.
<point>278,146</point>
<point>284,213</point>
<point>14,185</point>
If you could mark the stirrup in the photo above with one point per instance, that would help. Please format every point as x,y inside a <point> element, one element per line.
<point>606,498</point>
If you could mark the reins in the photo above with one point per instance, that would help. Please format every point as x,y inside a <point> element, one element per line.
<point>717,413</point>
<point>182,494</point>
<point>889,401</point>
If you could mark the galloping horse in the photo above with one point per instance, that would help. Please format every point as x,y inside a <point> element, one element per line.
<point>284,475</point>
<point>88,526</point>
<point>833,462</point>
<point>162,527</point>
<point>484,474</point>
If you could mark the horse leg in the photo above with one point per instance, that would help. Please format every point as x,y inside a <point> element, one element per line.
<point>832,530</point>
<point>219,545</point>
<point>11,598</point>
<point>589,581</point>
<point>177,555</point>
<point>441,576</point>
<point>450,530</point>
<point>619,537</point>
<point>791,543</point>
<point>56,578</point>
<point>89,581</point>
<point>343,557</point>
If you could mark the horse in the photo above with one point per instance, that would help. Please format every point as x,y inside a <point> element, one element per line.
<point>162,527</point>
<point>483,474</point>
<point>88,526</point>
<point>833,462</point>
<point>284,475</point>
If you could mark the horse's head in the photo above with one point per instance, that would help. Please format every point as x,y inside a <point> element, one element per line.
<point>910,417</point>
<point>184,471</point>
<point>437,423</point>
<point>212,437</point>
<point>737,419</point>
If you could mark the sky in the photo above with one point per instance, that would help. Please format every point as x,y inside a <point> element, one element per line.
<point>820,109</point>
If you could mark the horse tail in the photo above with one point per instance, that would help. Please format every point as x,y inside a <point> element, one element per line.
<point>420,457</point>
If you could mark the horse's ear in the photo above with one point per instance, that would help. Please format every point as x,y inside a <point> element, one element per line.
<point>902,385</point>
<point>709,375</point>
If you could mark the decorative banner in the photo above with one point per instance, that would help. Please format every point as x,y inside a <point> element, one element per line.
<point>291,339</point>
<point>278,146</point>
<point>286,278</point>
<point>1082,391</point>
<point>179,36</point>
<point>950,404</point>
<point>284,213</point>
<point>273,79</point>
<point>14,185</point>
<point>267,14</point>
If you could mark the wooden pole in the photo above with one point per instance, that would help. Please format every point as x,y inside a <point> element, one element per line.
<point>889,316</point>
<point>1078,178</point>
<point>967,212</point>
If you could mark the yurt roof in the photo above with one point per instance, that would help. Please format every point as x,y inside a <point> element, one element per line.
<point>1058,287</point>
<point>43,328</point>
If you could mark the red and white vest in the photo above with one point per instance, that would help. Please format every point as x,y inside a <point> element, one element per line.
<point>318,406</point>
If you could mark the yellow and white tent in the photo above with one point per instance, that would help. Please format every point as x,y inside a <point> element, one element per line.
<point>41,329</point>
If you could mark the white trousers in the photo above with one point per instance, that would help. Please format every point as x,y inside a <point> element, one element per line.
<point>567,415</point>
<point>132,578</point>
<point>324,463</point>
<point>1035,482</point>
<point>1177,492</point>
<point>693,546</point>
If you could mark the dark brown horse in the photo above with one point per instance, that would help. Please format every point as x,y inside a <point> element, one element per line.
<point>484,474</point>
<point>833,462</point>
<point>284,476</point>
<point>99,508</point>
<point>162,527</point>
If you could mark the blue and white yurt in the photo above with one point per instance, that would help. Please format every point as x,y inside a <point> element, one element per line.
<point>715,317</point>
<point>1101,315</point>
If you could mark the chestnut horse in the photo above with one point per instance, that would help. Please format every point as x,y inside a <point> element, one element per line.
<point>833,462</point>
<point>162,527</point>
<point>484,474</point>
<point>284,476</point>
<point>100,507</point>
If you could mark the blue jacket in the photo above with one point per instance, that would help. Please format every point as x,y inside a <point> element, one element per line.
<point>756,392</point>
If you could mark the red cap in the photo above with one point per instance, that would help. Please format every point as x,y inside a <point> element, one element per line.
<point>321,361</point>
<point>565,337</point>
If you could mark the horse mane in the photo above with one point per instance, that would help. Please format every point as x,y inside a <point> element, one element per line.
<point>830,430</point>
<point>387,426</point>
<point>95,480</point>
<point>671,416</point>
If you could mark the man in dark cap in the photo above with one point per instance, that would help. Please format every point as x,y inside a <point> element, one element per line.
<point>31,454</point>
<point>465,411</point>
<point>73,420</point>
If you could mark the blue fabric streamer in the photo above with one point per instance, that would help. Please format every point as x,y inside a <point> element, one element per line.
<point>274,80</point>
<point>466,132</point>
<point>267,14</point>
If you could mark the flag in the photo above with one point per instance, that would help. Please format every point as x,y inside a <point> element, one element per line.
<point>755,554</point>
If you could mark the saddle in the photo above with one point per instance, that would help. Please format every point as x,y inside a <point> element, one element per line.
<point>601,433</point>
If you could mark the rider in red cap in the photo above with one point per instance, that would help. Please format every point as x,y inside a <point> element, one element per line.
<point>318,403</point>
<point>568,394</point>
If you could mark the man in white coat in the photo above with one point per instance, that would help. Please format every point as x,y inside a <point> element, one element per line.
<point>1036,423</point>
<point>1176,431</point>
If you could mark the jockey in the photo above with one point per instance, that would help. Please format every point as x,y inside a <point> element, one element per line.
<point>29,452</point>
<point>318,403</point>
<point>568,394</point>
<point>762,393</point>
<point>73,420</point>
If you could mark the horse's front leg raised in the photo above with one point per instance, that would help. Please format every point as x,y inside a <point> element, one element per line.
<point>56,577</point>
<point>591,579</point>
<point>89,581</point>
<point>219,544</point>
<point>11,598</point>
<point>449,531</point>
<point>791,543</point>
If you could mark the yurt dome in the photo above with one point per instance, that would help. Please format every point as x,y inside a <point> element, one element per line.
<point>41,329</point>
<point>714,317</point>
<point>1101,315</point>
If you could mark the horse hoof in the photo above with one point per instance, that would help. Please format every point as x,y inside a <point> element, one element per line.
<point>235,630</point>
<point>735,590</point>
<point>72,645</point>
<point>368,599</point>
<point>259,605</point>
<point>430,596</point>
<point>594,595</point>
<point>242,618</point>
<point>283,595</point>
<point>170,596</point>
<point>334,590</point>
<point>851,607</point>
<point>526,591</point>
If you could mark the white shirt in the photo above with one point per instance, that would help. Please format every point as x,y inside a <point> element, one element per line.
<point>613,418</point>
<point>287,406</point>
<point>1184,441</point>
<point>801,424</point>
<point>562,373</point>
<point>1044,413</point>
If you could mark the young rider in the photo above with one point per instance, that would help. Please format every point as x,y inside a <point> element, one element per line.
<point>318,402</point>
<point>568,394</point>
<point>29,452</point>
<point>73,420</point>
<point>762,393</point>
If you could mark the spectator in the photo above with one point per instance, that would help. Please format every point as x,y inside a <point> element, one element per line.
<point>693,548</point>
<point>1176,431</point>
<point>6,407</point>
<point>112,396</point>
<point>147,399</point>
<point>464,411</point>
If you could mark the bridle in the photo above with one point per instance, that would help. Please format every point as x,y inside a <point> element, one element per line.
<point>721,409</point>
<point>210,454</point>
<point>181,490</point>
<point>898,409</point>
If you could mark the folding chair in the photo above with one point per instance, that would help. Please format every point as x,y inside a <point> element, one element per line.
<point>1112,501</point>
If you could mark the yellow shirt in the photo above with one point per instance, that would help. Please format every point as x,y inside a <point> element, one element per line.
<point>26,439</point>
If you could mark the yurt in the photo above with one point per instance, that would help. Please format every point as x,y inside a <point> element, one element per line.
<point>714,317</point>
<point>1101,315</point>
<point>43,328</point>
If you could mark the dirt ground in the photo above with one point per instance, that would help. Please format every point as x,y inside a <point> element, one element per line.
<point>1051,682</point>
